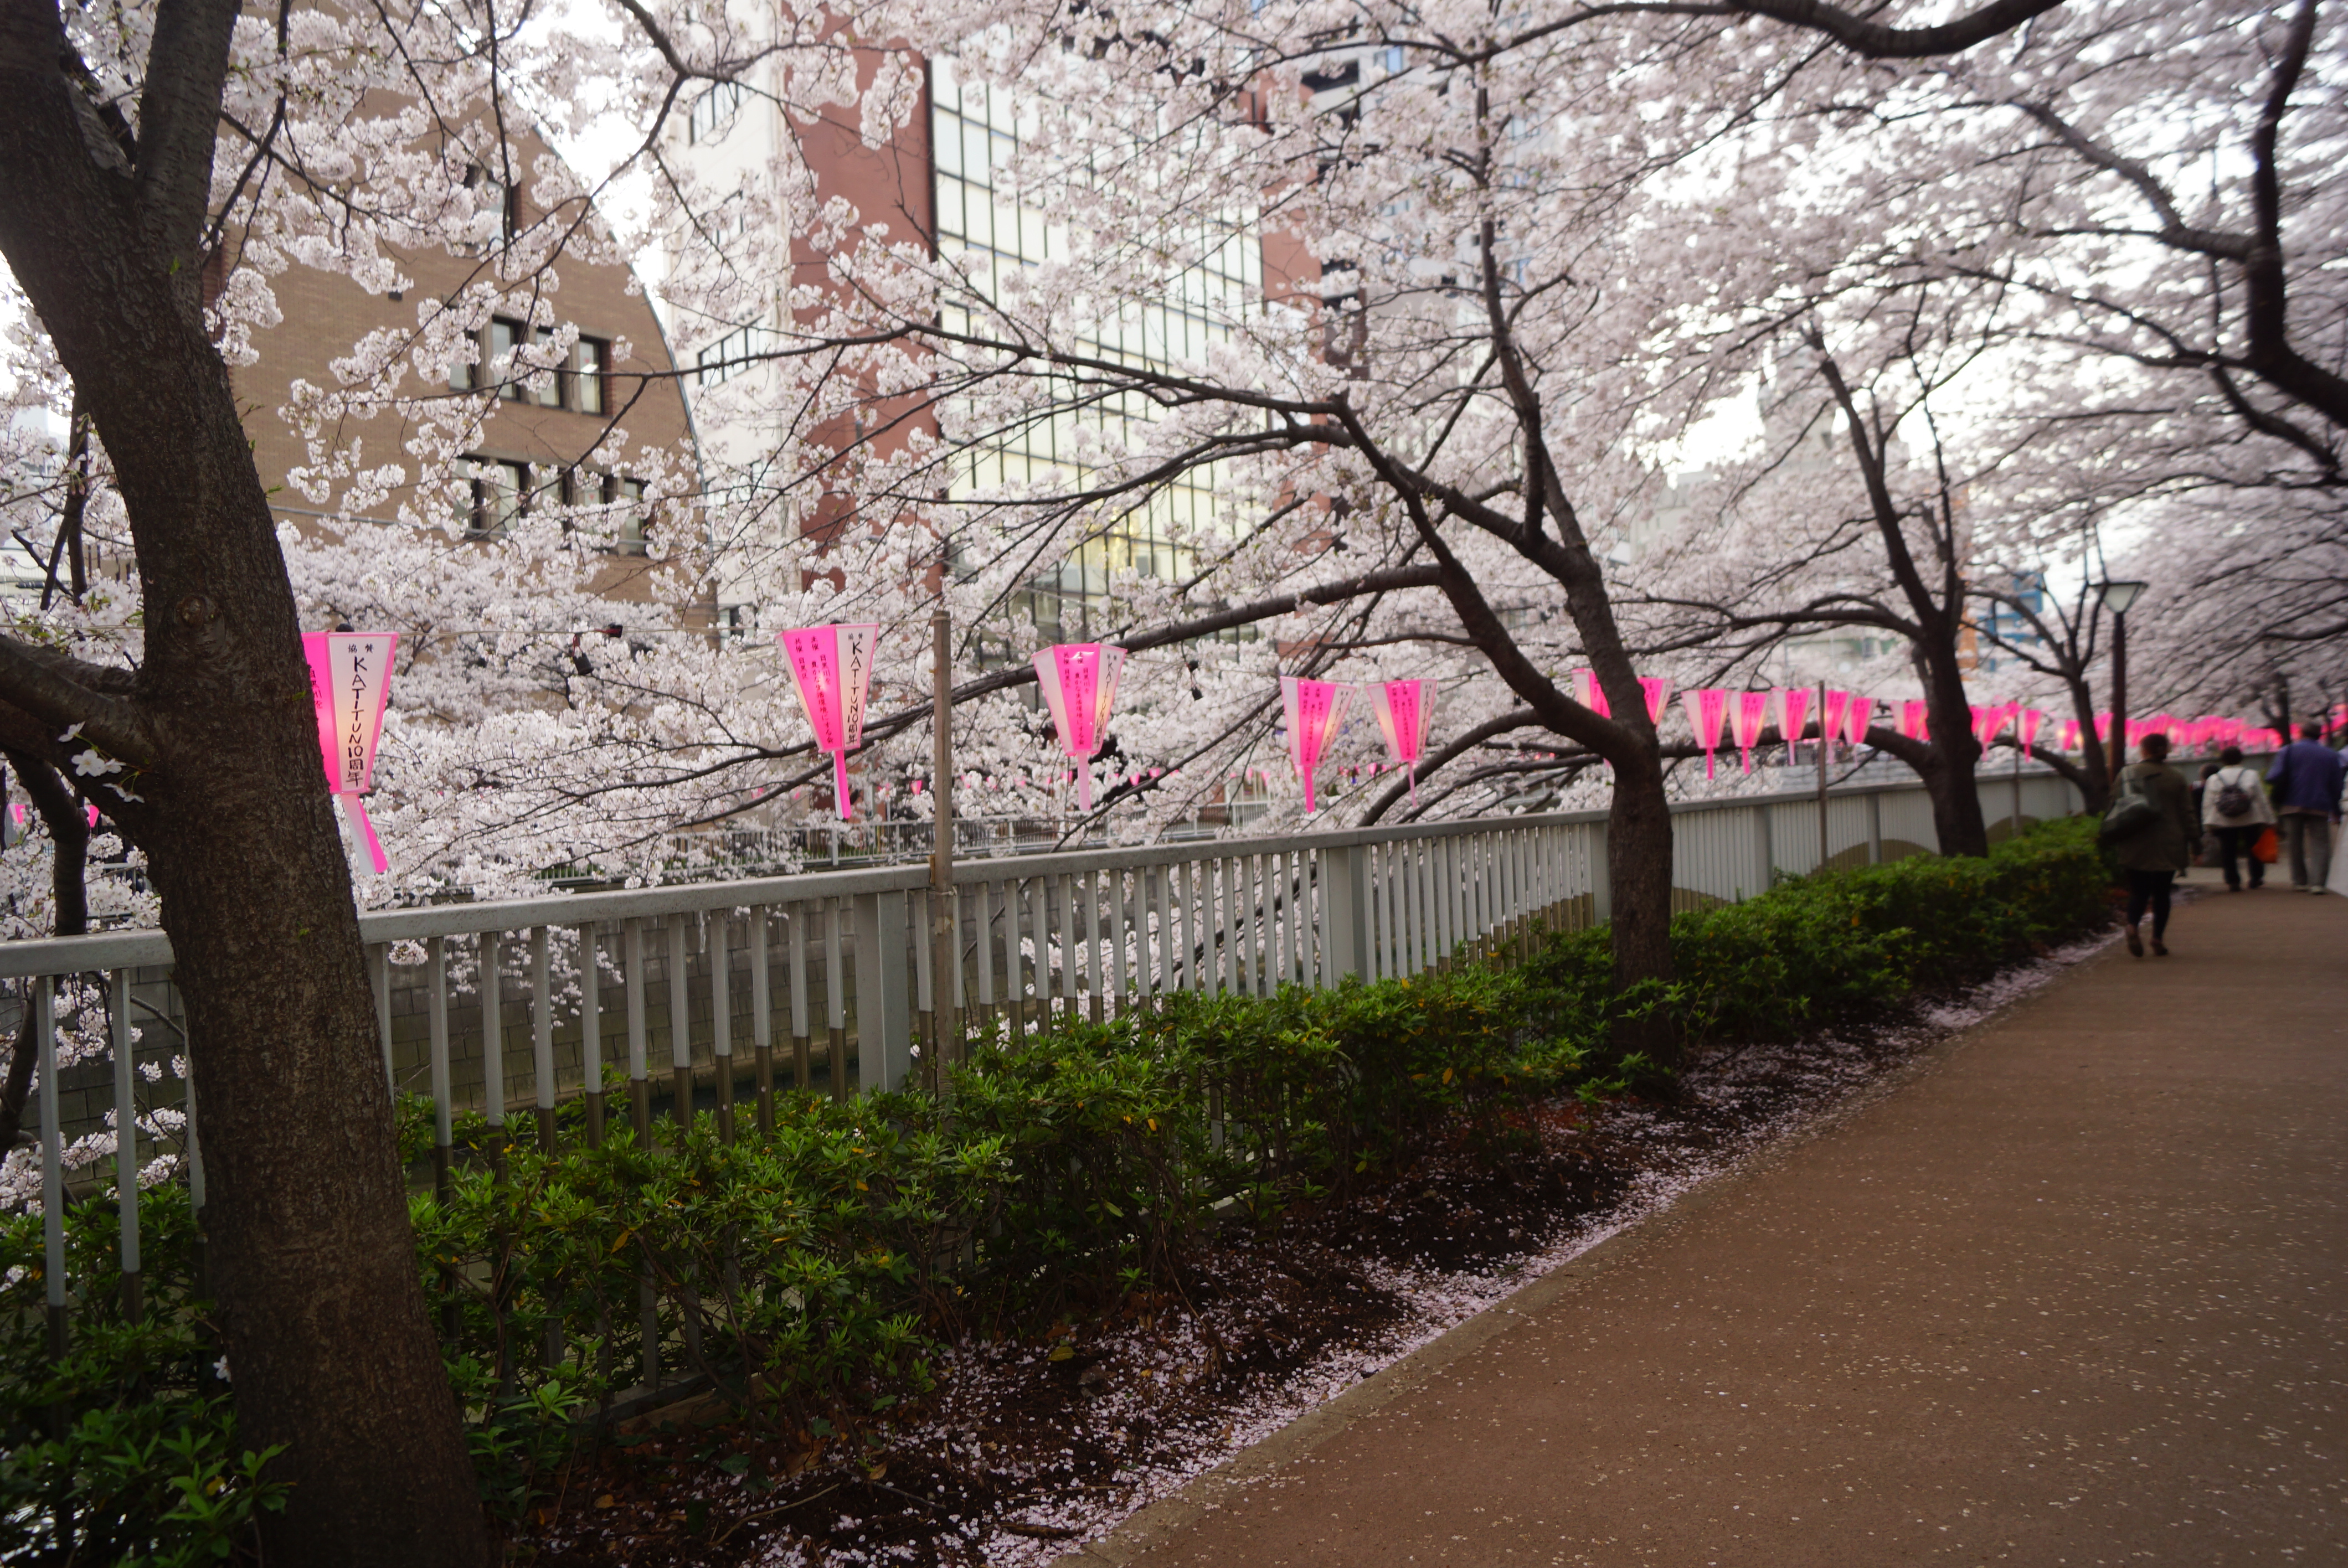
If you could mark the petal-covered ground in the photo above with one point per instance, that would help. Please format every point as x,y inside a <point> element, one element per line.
<point>1028,1447</point>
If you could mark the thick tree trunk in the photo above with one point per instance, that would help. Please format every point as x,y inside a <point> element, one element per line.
<point>329,1349</point>
<point>1948,770</point>
<point>2094,775</point>
<point>1956,805</point>
<point>1957,817</point>
<point>329,1345</point>
<point>1639,886</point>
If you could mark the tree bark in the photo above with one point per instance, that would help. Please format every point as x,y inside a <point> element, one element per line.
<point>1639,886</point>
<point>1949,776</point>
<point>324,1317</point>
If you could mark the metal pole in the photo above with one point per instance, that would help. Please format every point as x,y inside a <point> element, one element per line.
<point>1825,743</point>
<point>2118,740</point>
<point>2017,778</point>
<point>944,994</point>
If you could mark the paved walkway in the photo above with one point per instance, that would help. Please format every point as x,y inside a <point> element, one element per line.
<point>2072,1294</point>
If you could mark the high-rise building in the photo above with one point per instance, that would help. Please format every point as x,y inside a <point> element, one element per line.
<point>934,181</point>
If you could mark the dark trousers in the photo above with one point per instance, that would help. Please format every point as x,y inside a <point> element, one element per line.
<point>2234,845</point>
<point>2150,889</point>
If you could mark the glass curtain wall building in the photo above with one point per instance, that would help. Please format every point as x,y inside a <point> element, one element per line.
<point>973,133</point>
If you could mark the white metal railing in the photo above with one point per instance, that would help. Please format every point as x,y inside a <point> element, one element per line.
<point>497,1007</point>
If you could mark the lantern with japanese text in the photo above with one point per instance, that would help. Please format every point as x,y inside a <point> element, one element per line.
<point>832,668</point>
<point>1313,711</point>
<point>1079,682</point>
<point>1404,709</point>
<point>350,677</point>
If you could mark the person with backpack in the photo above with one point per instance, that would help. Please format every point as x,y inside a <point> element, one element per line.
<point>2235,807</point>
<point>2152,833</point>
<point>2307,775</point>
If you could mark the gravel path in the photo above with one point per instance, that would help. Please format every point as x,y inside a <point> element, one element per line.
<point>2070,1292</point>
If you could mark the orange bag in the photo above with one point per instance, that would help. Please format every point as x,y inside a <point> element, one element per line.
<point>2268,848</point>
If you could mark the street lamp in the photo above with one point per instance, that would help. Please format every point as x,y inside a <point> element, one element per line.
<point>2116,598</point>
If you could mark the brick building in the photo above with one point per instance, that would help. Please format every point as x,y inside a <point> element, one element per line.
<point>535,444</point>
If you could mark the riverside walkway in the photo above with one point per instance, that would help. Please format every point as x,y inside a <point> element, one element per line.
<point>2073,1291</point>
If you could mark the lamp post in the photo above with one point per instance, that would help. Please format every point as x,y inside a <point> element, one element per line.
<point>2116,598</point>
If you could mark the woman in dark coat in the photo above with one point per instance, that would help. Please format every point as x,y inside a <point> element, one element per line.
<point>2155,854</point>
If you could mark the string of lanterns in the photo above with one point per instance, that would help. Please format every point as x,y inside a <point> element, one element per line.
<point>831,668</point>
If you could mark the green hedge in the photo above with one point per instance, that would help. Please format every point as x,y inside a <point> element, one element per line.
<point>1851,946</point>
<point>809,1271</point>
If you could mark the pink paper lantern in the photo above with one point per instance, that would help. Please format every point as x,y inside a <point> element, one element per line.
<point>1836,713</point>
<point>1748,717</point>
<point>1590,693</point>
<point>350,678</point>
<point>1313,711</point>
<point>1706,710</point>
<point>1793,705</point>
<point>1857,716</point>
<point>1079,681</point>
<point>1915,719</point>
<point>832,667</point>
<point>1404,709</point>
<point>1658,689</point>
<point>2027,724</point>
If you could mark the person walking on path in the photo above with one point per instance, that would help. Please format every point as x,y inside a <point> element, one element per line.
<point>2153,854</point>
<point>2307,777</point>
<point>2234,807</point>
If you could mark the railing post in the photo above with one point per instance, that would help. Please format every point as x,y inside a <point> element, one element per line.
<point>436,953</point>
<point>680,1025</point>
<point>835,1000</point>
<point>591,1031</point>
<point>493,1050</point>
<point>1345,913</point>
<point>1602,875</point>
<point>762,1022</point>
<point>721,1021</point>
<point>126,1142</point>
<point>379,958</point>
<point>884,1024</point>
<point>53,1175</point>
<point>632,971</point>
<point>541,1040</point>
<point>926,1018</point>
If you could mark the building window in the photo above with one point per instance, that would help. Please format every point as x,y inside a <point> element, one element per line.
<point>711,111</point>
<point>491,194</point>
<point>631,517</point>
<point>972,134</point>
<point>499,488</point>
<point>504,337</point>
<point>590,363</point>
<point>626,517</point>
<point>727,358</point>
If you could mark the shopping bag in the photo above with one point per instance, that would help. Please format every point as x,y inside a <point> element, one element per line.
<point>2268,848</point>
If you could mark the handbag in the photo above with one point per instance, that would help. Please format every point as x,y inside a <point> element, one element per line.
<point>2268,847</point>
<point>2131,811</point>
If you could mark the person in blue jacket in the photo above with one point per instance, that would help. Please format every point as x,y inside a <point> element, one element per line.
<point>2307,775</point>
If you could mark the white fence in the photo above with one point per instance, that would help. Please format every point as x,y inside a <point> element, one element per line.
<point>816,981</point>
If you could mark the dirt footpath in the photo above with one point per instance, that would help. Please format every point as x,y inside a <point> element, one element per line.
<point>2072,1294</point>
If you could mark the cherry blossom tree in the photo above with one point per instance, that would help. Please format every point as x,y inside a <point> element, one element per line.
<point>1509,259</point>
